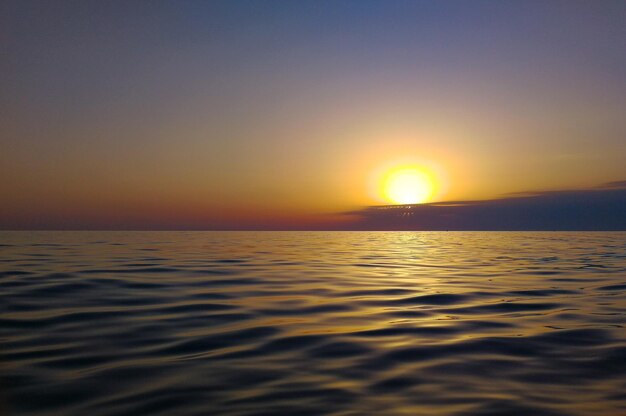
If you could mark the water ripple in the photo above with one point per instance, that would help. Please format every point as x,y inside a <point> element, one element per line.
<point>313,323</point>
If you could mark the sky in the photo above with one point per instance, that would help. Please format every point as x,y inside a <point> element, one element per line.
<point>286,114</point>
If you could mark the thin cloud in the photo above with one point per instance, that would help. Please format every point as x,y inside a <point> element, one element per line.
<point>600,208</point>
<point>613,185</point>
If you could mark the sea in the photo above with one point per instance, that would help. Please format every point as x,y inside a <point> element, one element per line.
<point>313,323</point>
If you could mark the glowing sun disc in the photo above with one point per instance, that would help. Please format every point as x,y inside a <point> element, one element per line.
<point>408,185</point>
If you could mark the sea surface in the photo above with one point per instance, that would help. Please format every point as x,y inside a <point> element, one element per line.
<point>312,323</point>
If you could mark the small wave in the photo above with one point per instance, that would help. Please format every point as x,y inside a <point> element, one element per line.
<point>613,287</point>
<point>335,324</point>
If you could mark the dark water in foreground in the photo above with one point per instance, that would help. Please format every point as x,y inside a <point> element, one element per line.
<point>313,323</point>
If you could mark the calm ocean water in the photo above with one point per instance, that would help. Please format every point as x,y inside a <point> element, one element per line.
<point>313,323</point>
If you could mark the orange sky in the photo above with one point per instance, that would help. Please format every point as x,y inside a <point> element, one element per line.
<point>213,115</point>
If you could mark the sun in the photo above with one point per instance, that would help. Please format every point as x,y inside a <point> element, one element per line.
<point>408,185</point>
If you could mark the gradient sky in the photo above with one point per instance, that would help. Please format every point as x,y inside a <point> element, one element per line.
<point>275,114</point>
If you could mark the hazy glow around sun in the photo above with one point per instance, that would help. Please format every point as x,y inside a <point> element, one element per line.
<point>407,185</point>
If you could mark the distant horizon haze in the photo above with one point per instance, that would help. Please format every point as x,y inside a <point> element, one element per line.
<point>600,208</point>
